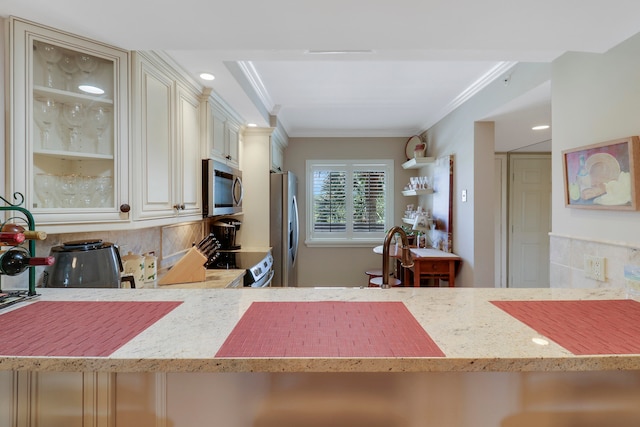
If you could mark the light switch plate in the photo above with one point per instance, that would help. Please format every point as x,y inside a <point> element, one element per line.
<point>464,195</point>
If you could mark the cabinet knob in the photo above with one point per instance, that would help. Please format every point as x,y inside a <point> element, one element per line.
<point>179,206</point>
<point>125,208</point>
<point>228,157</point>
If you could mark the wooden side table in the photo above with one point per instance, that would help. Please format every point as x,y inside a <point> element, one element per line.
<point>434,264</point>
<point>429,263</point>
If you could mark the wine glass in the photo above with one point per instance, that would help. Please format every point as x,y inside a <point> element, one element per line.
<point>68,65</point>
<point>68,185</point>
<point>74,115</point>
<point>44,186</point>
<point>86,188</point>
<point>103,191</point>
<point>50,55</point>
<point>88,64</point>
<point>99,118</point>
<point>45,113</point>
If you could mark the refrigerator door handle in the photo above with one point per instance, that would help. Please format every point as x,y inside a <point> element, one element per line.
<point>294,245</point>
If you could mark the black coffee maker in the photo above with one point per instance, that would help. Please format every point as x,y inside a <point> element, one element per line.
<point>225,230</point>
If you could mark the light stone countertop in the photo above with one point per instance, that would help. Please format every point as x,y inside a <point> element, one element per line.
<point>214,279</point>
<point>474,334</point>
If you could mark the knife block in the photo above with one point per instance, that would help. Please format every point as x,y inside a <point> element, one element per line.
<point>190,268</point>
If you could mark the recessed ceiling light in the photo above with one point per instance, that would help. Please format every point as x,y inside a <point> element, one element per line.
<point>252,125</point>
<point>541,127</point>
<point>207,76</point>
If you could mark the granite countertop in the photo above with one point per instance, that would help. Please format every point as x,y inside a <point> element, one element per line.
<point>214,279</point>
<point>473,333</point>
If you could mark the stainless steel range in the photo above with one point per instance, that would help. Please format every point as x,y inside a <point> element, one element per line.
<point>258,266</point>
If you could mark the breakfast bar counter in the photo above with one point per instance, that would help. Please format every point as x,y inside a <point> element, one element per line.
<point>467,329</point>
<point>454,357</point>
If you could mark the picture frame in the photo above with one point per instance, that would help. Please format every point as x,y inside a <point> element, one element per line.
<point>603,175</point>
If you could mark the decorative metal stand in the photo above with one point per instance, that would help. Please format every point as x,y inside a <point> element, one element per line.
<point>22,216</point>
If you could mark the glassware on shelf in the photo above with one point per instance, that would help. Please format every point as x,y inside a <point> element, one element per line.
<point>50,55</point>
<point>74,115</point>
<point>68,186</point>
<point>86,188</point>
<point>103,191</point>
<point>88,65</point>
<point>45,112</point>
<point>45,186</point>
<point>99,117</point>
<point>69,66</point>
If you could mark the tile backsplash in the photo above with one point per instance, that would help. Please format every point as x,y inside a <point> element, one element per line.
<point>169,244</point>
<point>567,262</point>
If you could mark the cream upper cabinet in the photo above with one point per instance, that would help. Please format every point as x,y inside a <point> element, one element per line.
<point>67,128</point>
<point>277,151</point>
<point>189,154</point>
<point>167,149</point>
<point>221,132</point>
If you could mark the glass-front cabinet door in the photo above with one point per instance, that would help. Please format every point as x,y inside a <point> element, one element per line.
<point>69,140</point>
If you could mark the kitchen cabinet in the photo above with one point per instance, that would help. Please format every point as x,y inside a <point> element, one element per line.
<point>167,149</point>
<point>221,132</point>
<point>67,126</point>
<point>277,151</point>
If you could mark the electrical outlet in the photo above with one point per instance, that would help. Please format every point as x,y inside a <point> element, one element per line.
<point>595,267</point>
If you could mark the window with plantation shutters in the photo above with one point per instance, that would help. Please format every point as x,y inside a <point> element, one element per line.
<point>348,202</point>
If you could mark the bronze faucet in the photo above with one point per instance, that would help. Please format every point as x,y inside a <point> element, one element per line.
<point>407,260</point>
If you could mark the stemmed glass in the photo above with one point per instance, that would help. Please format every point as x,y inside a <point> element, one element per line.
<point>87,64</point>
<point>99,118</point>
<point>51,55</point>
<point>86,186</point>
<point>44,186</point>
<point>75,115</point>
<point>68,65</point>
<point>68,185</point>
<point>104,191</point>
<point>45,112</point>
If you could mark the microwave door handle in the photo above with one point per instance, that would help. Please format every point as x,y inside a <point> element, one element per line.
<point>238,183</point>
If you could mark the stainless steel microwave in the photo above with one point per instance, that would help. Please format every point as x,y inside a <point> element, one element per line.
<point>222,189</point>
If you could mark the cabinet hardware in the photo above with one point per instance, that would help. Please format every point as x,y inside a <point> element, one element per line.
<point>125,208</point>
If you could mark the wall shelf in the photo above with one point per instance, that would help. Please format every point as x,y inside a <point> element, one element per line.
<point>418,162</point>
<point>417,192</point>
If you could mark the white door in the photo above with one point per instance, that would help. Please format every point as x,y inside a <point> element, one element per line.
<point>530,220</point>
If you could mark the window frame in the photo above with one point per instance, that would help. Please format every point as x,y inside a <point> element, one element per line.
<point>349,237</point>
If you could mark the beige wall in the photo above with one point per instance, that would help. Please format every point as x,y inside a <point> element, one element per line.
<point>340,266</point>
<point>595,99</point>
<point>460,135</point>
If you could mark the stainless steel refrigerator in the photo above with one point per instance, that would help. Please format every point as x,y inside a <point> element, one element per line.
<point>284,228</point>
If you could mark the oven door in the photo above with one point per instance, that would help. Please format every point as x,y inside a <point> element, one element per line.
<point>265,281</point>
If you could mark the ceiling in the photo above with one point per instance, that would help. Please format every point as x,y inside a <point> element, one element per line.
<point>353,67</point>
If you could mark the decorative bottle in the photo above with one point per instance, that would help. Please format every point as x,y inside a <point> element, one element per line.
<point>10,238</point>
<point>28,234</point>
<point>17,260</point>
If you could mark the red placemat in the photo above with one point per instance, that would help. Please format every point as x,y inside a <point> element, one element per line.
<point>328,329</point>
<point>76,328</point>
<point>582,327</point>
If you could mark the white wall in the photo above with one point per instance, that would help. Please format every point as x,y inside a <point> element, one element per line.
<point>595,98</point>
<point>335,266</point>
<point>474,168</point>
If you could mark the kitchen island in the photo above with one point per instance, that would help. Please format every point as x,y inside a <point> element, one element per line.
<point>484,349</point>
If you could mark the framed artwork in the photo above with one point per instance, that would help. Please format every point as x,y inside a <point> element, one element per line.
<point>603,176</point>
